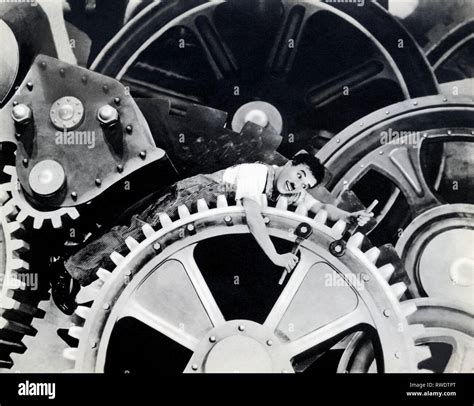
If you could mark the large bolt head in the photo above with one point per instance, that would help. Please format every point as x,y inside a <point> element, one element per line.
<point>21,114</point>
<point>108,115</point>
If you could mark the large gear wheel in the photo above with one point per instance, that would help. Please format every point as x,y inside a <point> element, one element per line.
<point>160,285</point>
<point>304,63</point>
<point>448,333</point>
<point>12,194</point>
<point>418,153</point>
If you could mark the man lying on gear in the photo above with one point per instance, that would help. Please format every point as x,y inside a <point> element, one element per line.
<point>244,182</point>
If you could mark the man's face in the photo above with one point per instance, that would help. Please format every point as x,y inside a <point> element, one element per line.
<point>295,178</point>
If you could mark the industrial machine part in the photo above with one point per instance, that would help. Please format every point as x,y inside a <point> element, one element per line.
<point>176,306</point>
<point>306,68</point>
<point>448,334</point>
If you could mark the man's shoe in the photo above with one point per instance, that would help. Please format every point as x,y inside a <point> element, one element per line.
<point>63,288</point>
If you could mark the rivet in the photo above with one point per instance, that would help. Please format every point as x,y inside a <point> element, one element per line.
<point>120,168</point>
<point>397,355</point>
<point>361,124</point>
<point>18,135</point>
<point>212,339</point>
<point>25,161</point>
<point>266,220</point>
<point>74,195</point>
<point>365,277</point>
<point>29,85</point>
<point>142,154</point>
<point>361,165</point>
<point>105,88</point>
<point>387,313</point>
<point>449,132</point>
<point>241,328</point>
<point>43,64</point>
<point>380,152</point>
<point>415,103</point>
<point>15,102</point>
<point>338,140</point>
<point>93,344</point>
<point>84,79</point>
<point>129,128</point>
<point>445,99</point>
<point>269,343</point>
<point>98,182</point>
<point>117,101</point>
<point>387,113</point>
<point>62,72</point>
<point>194,367</point>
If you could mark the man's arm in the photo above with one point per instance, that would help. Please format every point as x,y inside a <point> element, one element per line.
<point>335,213</point>
<point>259,231</point>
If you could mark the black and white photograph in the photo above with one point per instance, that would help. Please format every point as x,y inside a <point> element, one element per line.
<point>237,187</point>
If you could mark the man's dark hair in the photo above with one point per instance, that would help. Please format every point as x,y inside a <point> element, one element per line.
<point>313,163</point>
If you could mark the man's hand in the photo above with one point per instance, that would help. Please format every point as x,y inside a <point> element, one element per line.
<point>287,261</point>
<point>362,217</point>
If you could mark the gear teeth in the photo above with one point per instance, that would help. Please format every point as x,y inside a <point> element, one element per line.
<point>83,312</point>
<point>417,330</point>
<point>103,274</point>
<point>22,217</point>
<point>387,271</point>
<point>301,209</point>
<point>321,217</point>
<point>131,243</point>
<point>9,170</point>
<point>89,293</point>
<point>183,211</point>
<point>422,353</point>
<point>12,346</point>
<point>11,304</point>
<point>75,332</point>
<point>56,222</point>
<point>222,201</point>
<point>116,258</point>
<point>4,195</point>
<point>15,229</point>
<point>408,309</point>
<point>398,289</point>
<point>73,213</point>
<point>147,230</point>
<point>19,246</point>
<point>282,203</point>
<point>70,354</point>
<point>16,284</point>
<point>37,223</point>
<point>373,254</point>
<point>165,220</point>
<point>6,363</point>
<point>17,327</point>
<point>10,211</point>
<point>339,227</point>
<point>356,240</point>
<point>202,205</point>
<point>19,266</point>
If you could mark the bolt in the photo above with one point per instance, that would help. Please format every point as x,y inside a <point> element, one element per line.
<point>29,86</point>
<point>129,128</point>
<point>190,228</point>
<point>93,344</point>
<point>74,195</point>
<point>156,246</point>
<point>142,154</point>
<point>241,328</point>
<point>194,367</point>
<point>21,114</point>
<point>269,343</point>
<point>365,277</point>
<point>120,168</point>
<point>98,182</point>
<point>228,219</point>
<point>212,339</point>
<point>117,101</point>
<point>15,102</point>
<point>338,248</point>
<point>108,116</point>
<point>106,306</point>
<point>304,229</point>
<point>387,313</point>
<point>266,220</point>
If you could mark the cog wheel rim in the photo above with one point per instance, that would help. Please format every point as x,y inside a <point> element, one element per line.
<point>446,280</point>
<point>97,322</point>
<point>24,208</point>
<point>445,322</point>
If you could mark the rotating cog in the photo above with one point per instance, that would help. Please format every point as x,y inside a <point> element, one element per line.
<point>448,333</point>
<point>418,153</point>
<point>13,196</point>
<point>166,301</point>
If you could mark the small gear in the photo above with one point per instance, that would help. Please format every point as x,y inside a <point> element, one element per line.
<point>18,298</point>
<point>160,284</point>
<point>11,192</point>
<point>447,324</point>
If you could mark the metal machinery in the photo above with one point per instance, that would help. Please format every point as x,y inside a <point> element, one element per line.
<point>167,94</point>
